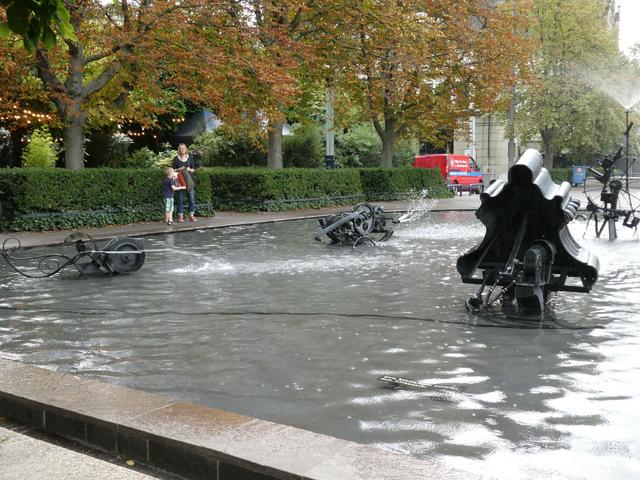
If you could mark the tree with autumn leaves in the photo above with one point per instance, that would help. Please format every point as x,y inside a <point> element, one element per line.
<point>418,66</point>
<point>136,60</point>
<point>413,66</point>
<point>284,33</point>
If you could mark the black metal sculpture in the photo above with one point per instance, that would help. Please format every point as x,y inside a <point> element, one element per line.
<point>353,227</point>
<point>527,250</point>
<point>616,200</point>
<point>119,255</point>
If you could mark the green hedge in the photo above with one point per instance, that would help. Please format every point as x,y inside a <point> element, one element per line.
<point>268,189</point>
<point>383,184</point>
<point>45,199</point>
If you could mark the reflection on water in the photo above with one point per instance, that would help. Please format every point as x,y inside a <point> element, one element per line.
<point>262,320</point>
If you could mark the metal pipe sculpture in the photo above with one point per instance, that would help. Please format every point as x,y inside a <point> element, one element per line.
<point>527,250</point>
<point>353,227</point>
<point>119,255</point>
<point>612,207</point>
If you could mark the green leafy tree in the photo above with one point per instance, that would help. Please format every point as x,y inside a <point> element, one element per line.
<point>305,148</point>
<point>37,21</point>
<point>231,147</point>
<point>41,151</point>
<point>360,146</point>
<point>558,105</point>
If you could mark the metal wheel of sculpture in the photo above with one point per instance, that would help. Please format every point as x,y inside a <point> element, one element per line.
<point>124,255</point>
<point>363,223</point>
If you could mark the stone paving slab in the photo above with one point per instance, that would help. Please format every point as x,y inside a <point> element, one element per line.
<point>63,391</point>
<point>26,458</point>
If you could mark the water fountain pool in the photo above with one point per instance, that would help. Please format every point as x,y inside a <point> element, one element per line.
<point>261,320</point>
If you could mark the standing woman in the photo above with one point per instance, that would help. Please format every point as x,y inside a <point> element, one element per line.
<point>185,165</point>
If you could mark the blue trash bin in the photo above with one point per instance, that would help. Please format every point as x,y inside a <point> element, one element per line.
<point>579,175</point>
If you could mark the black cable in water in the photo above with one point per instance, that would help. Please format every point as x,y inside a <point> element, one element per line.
<point>529,325</point>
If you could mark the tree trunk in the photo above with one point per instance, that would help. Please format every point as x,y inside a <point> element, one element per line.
<point>16,148</point>
<point>74,141</point>
<point>388,138</point>
<point>274,154</point>
<point>548,137</point>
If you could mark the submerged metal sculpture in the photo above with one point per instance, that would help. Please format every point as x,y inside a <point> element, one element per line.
<point>527,250</point>
<point>119,255</point>
<point>355,226</point>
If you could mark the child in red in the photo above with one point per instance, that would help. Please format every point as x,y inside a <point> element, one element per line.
<point>170,186</point>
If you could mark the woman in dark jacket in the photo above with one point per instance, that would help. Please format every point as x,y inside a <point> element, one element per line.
<point>185,165</point>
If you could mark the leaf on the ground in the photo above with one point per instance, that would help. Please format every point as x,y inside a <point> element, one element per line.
<point>131,463</point>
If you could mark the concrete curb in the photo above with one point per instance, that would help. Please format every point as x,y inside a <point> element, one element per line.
<point>189,440</point>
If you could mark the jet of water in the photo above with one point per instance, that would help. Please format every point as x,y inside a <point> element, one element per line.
<point>622,87</point>
<point>418,207</point>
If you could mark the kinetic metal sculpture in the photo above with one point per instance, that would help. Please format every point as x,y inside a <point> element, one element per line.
<point>527,250</point>
<point>616,200</point>
<point>352,228</point>
<point>119,255</point>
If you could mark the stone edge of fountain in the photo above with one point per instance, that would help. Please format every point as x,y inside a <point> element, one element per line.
<point>187,439</point>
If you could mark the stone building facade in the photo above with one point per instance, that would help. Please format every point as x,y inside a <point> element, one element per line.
<point>485,139</point>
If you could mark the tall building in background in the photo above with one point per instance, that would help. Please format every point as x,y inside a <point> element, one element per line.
<point>612,13</point>
<point>485,139</point>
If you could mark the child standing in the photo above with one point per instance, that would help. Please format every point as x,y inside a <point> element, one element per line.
<point>170,185</point>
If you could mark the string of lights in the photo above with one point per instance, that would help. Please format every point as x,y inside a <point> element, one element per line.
<point>26,115</point>
<point>14,113</point>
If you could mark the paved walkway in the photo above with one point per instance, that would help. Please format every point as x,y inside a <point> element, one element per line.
<point>23,457</point>
<point>226,219</point>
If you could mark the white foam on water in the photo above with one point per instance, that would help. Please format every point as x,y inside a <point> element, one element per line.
<point>294,266</point>
<point>441,232</point>
<point>491,397</point>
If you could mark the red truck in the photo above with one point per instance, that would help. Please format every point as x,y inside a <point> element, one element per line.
<point>461,172</point>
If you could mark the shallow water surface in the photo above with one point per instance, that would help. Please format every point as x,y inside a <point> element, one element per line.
<point>264,321</point>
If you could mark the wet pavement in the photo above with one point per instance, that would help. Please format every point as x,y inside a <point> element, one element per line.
<point>25,457</point>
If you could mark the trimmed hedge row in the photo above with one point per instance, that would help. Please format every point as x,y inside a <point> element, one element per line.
<point>249,188</point>
<point>383,184</point>
<point>45,199</point>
